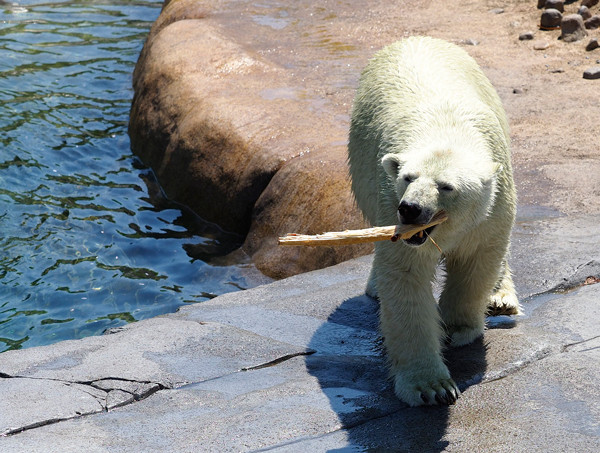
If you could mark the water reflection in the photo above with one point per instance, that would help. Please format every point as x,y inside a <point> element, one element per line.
<point>87,239</point>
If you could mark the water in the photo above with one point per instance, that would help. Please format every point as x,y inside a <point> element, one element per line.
<point>87,239</point>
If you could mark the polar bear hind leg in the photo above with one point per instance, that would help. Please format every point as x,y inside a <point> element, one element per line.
<point>465,297</point>
<point>503,300</point>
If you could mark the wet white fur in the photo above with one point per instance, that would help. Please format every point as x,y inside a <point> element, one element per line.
<point>425,112</point>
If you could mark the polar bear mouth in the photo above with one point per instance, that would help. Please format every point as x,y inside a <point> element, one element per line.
<point>419,238</point>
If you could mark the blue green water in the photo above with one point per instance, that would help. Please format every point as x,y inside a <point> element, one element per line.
<point>87,239</point>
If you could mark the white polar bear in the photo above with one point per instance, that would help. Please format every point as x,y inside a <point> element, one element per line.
<point>429,133</point>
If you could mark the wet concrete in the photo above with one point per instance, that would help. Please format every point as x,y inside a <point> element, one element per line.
<point>296,365</point>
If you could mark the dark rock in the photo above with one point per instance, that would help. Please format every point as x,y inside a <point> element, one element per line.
<point>572,28</point>
<point>584,12</point>
<point>589,3</point>
<point>593,44</point>
<point>592,23</point>
<point>527,36</point>
<point>555,4</point>
<point>551,19</point>
<point>592,73</point>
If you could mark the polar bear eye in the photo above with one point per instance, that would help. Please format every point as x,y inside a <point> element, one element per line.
<point>409,178</point>
<point>446,187</point>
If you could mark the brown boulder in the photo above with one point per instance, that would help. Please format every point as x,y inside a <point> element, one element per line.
<point>217,123</point>
<point>185,127</point>
<point>311,195</point>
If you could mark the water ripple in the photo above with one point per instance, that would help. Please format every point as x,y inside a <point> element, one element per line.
<point>88,240</point>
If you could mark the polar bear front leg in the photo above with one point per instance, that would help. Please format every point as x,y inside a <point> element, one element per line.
<point>410,324</point>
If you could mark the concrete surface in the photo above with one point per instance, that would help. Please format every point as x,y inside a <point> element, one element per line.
<point>296,365</point>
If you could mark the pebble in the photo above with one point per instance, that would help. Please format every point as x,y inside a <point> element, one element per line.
<point>527,36</point>
<point>592,73</point>
<point>555,4</point>
<point>541,45</point>
<point>550,19</point>
<point>572,28</point>
<point>593,44</point>
<point>589,3</point>
<point>593,22</point>
<point>497,11</point>
<point>584,12</point>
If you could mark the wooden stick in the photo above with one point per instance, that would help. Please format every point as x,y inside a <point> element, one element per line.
<point>374,234</point>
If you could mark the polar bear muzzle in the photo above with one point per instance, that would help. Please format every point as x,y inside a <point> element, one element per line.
<point>415,214</point>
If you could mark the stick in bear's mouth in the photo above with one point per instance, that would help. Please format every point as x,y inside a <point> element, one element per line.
<point>348,237</point>
<point>418,232</point>
<point>434,243</point>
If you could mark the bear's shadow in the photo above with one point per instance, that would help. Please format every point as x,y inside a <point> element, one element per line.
<point>350,367</point>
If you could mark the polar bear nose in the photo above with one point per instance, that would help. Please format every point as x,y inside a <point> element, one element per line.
<point>409,212</point>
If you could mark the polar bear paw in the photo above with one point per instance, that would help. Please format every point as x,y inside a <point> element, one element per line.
<point>426,390</point>
<point>503,303</point>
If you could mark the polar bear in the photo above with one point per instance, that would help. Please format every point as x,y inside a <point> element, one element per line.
<point>428,133</point>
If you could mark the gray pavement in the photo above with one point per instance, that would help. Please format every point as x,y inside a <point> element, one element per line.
<point>296,365</point>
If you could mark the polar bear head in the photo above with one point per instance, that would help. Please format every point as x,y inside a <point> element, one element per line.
<point>461,182</point>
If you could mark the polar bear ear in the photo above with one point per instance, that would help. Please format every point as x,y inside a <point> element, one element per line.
<point>391,163</point>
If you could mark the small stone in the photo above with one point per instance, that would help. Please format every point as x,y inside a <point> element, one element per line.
<point>555,4</point>
<point>497,10</point>
<point>517,91</point>
<point>589,3</point>
<point>592,23</point>
<point>540,45</point>
<point>584,12</point>
<point>592,73</point>
<point>527,36</point>
<point>593,44</point>
<point>550,19</point>
<point>572,28</point>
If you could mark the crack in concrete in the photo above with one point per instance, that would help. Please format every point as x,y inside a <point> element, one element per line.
<point>279,360</point>
<point>517,366</point>
<point>570,345</point>
<point>585,274</point>
<point>101,395</point>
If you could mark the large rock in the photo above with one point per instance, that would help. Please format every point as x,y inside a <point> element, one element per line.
<point>550,19</point>
<point>572,28</point>
<point>217,123</point>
